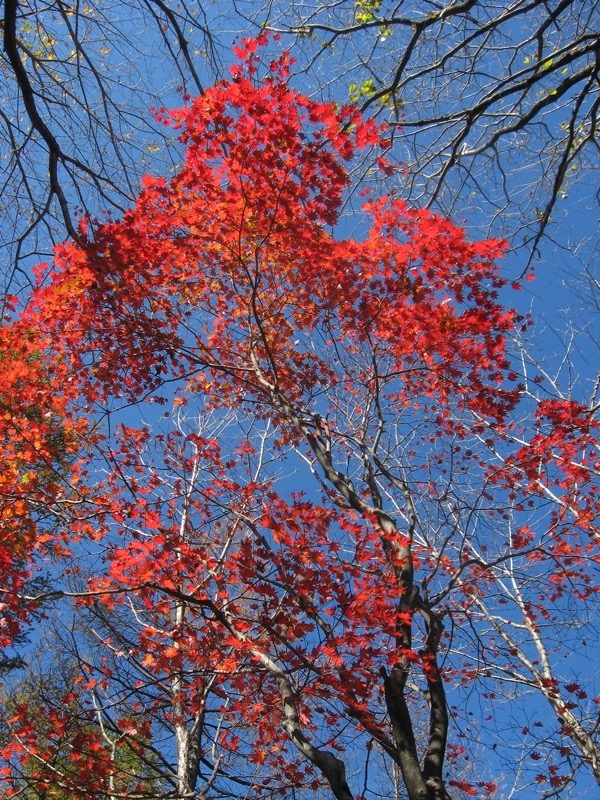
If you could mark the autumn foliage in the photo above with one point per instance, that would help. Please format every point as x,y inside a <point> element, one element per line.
<point>291,572</point>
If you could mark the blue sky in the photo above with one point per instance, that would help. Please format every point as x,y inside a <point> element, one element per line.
<point>558,300</point>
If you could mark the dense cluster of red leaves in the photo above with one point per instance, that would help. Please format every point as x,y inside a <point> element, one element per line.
<point>226,288</point>
<point>41,441</point>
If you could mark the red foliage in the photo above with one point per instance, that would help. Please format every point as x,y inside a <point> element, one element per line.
<point>387,355</point>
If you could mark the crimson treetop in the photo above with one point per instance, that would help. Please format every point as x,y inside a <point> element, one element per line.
<point>380,365</point>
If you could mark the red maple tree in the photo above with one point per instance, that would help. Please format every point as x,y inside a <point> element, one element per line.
<point>352,508</point>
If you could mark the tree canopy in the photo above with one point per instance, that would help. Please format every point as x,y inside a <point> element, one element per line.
<point>493,106</point>
<point>77,130</point>
<point>313,520</point>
